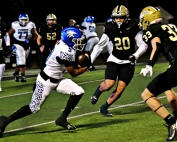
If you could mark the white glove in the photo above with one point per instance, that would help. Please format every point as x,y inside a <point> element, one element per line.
<point>147,71</point>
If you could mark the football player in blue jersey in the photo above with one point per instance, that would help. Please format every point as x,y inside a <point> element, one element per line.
<point>21,32</point>
<point>89,29</point>
<point>63,56</point>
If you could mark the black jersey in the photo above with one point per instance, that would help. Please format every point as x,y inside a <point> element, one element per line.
<point>2,29</point>
<point>123,38</point>
<point>168,36</point>
<point>4,50</point>
<point>50,35</point>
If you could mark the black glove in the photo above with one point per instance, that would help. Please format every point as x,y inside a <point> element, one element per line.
<point>132,59</point>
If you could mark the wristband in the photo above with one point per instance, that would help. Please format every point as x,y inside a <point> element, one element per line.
<point>151,63</point>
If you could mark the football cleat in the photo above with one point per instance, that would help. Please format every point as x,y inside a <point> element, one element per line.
<point>91,68</point>
<point>65,124</point>
<point>93,99</point>
<point>16,77</point>
<point>172,131</point>
<point>2,125</point>
<point>105,112</point>
<point>23,79</point>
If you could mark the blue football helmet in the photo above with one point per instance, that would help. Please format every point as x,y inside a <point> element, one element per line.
<point>73,37</point>
<point>23,19</point>
<point>90,19</point>
<point>109,19</point>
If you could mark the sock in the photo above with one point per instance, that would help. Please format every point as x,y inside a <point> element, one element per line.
<point>16,72</point>
<point>169,120</point>
<point>2,70</point>
<point>97,92</point>
<point>105,106</point>
<point>71,104</point>
<point>175,114</point>
<point>22,112</point>
<point>22,74</point>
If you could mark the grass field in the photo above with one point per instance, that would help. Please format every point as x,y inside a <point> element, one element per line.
<point>132,120</point>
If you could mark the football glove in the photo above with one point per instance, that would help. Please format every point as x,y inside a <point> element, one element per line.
<point>132,59</point>
<point>147,71</point>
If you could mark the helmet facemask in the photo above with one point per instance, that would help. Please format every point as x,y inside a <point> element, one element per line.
<point>23,19</point>
<point>73,37</point>
<point>79,43</point>
<point>23,22</point>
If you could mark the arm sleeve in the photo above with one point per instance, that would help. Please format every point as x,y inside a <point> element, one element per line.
<point>98,48</point>
<point>142,46</point>
<point>7,39</point>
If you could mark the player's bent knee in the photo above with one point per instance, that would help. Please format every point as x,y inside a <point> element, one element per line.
<point>146,95</point>
<point>106,86</point>
<point>79,91</point>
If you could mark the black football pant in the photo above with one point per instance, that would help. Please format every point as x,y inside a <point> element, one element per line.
<point>43,57</point>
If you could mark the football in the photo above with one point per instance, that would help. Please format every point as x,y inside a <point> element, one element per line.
<point>82,60</point>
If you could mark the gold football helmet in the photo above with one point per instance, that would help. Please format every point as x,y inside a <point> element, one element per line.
<point>149,15</point>
<point>51,17</point>
<point>72,22</point>
<point>120,11</point>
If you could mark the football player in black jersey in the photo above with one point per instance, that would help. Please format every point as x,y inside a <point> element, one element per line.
<point>49,35</point>
<point>124,34</point>
<point>4,48</point>
<point>163,39</point>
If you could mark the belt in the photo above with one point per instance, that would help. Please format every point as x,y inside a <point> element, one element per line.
<point>46,77</point>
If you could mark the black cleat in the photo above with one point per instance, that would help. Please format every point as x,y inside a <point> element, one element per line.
<point>93,99</point>
<point>65,124</point>
<point>23,79</point>
<point>2,125</point>
<point>172,132</point>
<point>92,68</point>
<point>16,77</point>
<point>105,112</point>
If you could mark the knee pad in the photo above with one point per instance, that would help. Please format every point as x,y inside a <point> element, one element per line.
<point>79,91</point>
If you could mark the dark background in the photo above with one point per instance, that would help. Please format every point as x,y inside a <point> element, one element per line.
<point>67,9</point>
